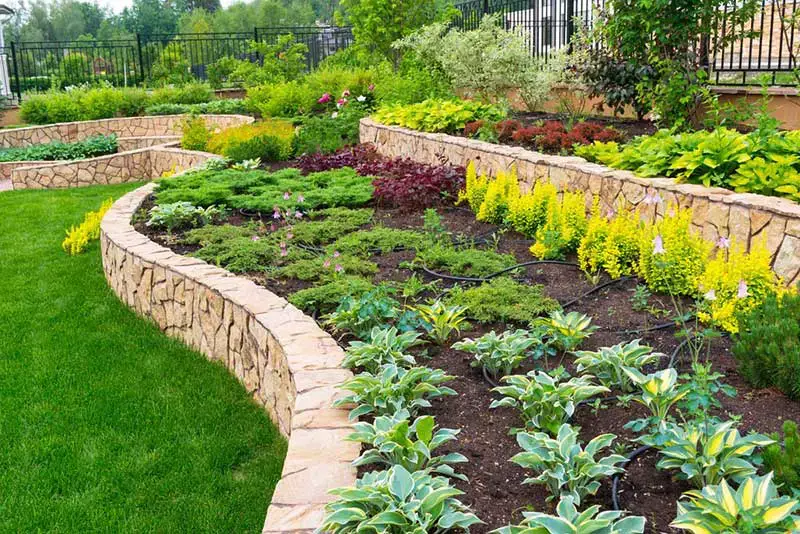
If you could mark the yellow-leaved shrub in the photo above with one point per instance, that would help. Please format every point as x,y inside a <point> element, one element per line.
<point>671,256</point>
<point>564,228</point>
<point>79,237</point>
<point>527,213</point>
<point>498,194</point>
<point>736,282</point>
<point>474,188</point>
<point>611,244</point>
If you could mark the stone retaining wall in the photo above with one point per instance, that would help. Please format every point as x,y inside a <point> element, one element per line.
<point>284,360</point>
<point>132,166</point>
<point>716,212</point>
<point>156,126</point>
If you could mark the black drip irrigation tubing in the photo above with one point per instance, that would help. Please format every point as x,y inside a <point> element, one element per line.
<point>615,480</point>
<point>498,273</point>
<point>596,289</point>
<point>655,328</point>
<point>488,378</point>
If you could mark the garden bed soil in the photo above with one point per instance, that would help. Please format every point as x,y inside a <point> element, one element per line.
<point>495,490</point>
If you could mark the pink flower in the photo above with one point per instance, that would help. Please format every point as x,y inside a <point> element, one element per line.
<point>653,198</point>
<point>346,93</point>
<point>298,214</point>
<point>723,242</point>
<point>658,245</point>
<point>325,98</point>
<point>341,103</point>
<point>284,251</point>
<point>326,264</point>
<point>336,254</point>
<point>287,195</point>
<point>610,214</point>
<point>371,87</point>
<point>301,199</point>
<point>711,295</point>
<point>276,213</point>
<point>289,235</point>
<point>273,227</point>
<point>743,292</point>
<point>255,238</point>
<point>338,268</point>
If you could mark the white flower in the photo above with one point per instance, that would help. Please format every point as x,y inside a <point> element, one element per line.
<point>658,245</point>
<point>723,242</point>
<point>334,114</point>
<point>743,292</point>
<point>711,295</point>
<point>362,98</point>
<point>653,198</point>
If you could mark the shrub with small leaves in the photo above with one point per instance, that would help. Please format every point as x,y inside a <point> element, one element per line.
<point>394,388</point>
<point>566,468</point>
<point>503,300</point>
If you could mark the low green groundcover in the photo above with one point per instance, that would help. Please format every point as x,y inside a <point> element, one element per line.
<point>107,424</point>
<point>91,147</point>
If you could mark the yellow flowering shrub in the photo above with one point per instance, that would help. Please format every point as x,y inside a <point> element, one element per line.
<point>564,228</point>
<point>590,251</point>
<point>79,237</point>
<point>736,282</point>
<point>270,140</point>
<point>498,194</point>
<point>475,188</point>
<point>527,213</point>
<point>671,256</point>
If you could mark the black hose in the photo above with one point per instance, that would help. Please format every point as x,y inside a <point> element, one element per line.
<point>655,328</point>
<point>489,379</point>
<point>677,351</point>
<point>615,480</point>
<point>596,289</point>
<point>498,273</point>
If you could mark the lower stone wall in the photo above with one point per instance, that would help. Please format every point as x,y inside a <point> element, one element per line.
<point>716,212</point>
<point>132,166</point>
<point>285,361</point>
<point>134,143</point>
<point>6,167</point>
<point>155,126</point>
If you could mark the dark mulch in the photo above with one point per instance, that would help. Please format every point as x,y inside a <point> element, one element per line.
<point>495,489</point>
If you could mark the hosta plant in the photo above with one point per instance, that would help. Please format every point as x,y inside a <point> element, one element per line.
<point>384,346</point>
<point>182,215</point>
<point>659,393</point>
<point>754,508</point>
<point>569,521</point>
<point>608,364</point>
<point>705,456</point>
<point>567,330</point>
<point>566,468</point>
<point>441,320</point>
<point>394,388</point>
<point>376,308</point>
<point>500,354</point>
<point>397,502</point>
<point>545,402</point>
<point>396,440</point>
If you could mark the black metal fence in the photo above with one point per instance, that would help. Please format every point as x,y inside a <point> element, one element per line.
<point>770,56</point>
<point>32,66</point>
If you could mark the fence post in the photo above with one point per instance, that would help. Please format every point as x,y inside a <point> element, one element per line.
<point>485,7</point>
<point>570,23</point>
<point>16,71</point>
<point>139,54</point>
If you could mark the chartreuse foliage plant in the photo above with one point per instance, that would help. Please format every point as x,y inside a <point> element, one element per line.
<point>736,282</point>
<point>767,347</point>
<point>475,187</point>
<point>503,299</point>
<point>608,364</point>
<point>393,388</point>
<point>500,354</point>
<point>564,227</point>
<point>659,393</point>
<point>611,244</point>
<point>499,193</point>
<point>569,520</point>
<point>79,237</point>
<point>563,465</point>
<point>755,507</point>
<point>269,140</point>
<point>397,502</point>
<point>383,346</point>
<point>707,454</point>
<point>397,440</point>
<point>545,402</point>
<point>566,330</point>
<point>446,116</point>
<point>527,213</point>
<point>671,256</point>
<point>440,320</point>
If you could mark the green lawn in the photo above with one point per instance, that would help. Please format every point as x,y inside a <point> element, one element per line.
<point>106,425</point>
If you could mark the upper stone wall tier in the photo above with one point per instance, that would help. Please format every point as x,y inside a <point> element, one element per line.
<point>155,126</point>
<point>716,212</point>
<point>282,357</point>
<point>133,166</point>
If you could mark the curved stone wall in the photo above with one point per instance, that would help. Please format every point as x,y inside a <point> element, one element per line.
<point>716,212</point>
<point>281,356</point>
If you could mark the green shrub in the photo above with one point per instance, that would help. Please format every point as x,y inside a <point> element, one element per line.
<point>329,224</point>
<point>190,93</point>
<point>34,109</point>
<point>328,133</point>
<point>133,101</point>
<point>91,147</point>
<point>267,148</point>
<point>471,262</point>
<point>284,99</point>
<point>101,103</point>
<point>767,347</point>
<point>326,297</point>
<point>447,116</point>
<point>783,458</point>
<point>195,134</point>
<point>379,239</point>
<point>269,140</point>
<point>230,106</point>
<point>503,299</point>
<point>63,107</point>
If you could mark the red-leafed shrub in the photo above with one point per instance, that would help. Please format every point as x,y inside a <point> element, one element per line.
<point>506,129</point>
<point>553,137</point>
<point>471,129</point>
<point>351,156</point>
<point>410,186</point>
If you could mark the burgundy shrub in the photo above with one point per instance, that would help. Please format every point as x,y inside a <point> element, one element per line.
<point>410,186</point>
<point>351,156</point>
<point>506,129</point>
<point>471,129</point>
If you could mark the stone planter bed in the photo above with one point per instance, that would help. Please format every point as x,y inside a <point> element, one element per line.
<point>716,212</point>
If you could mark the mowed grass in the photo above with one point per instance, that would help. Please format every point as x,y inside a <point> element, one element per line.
<point>106,425</point>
